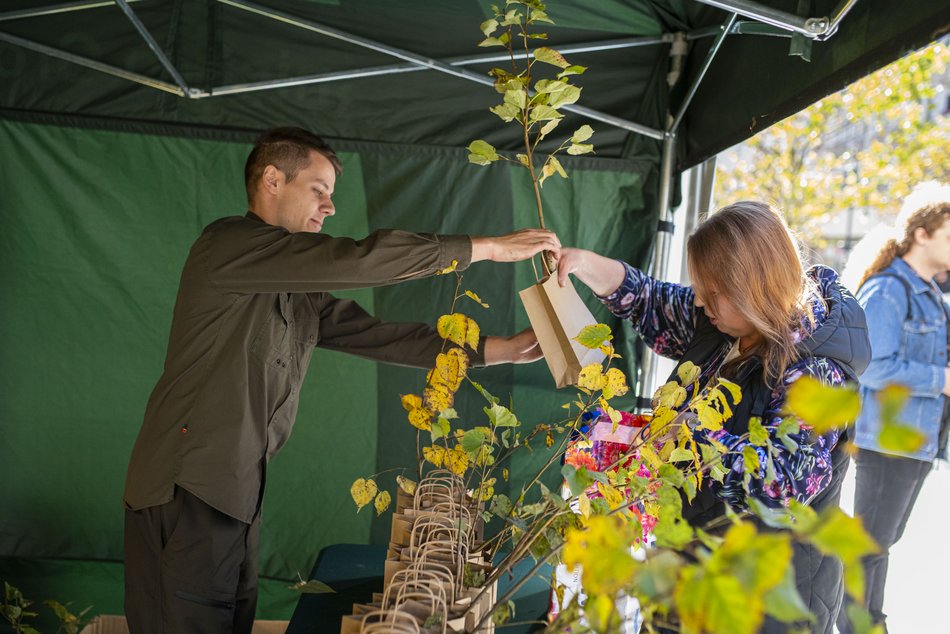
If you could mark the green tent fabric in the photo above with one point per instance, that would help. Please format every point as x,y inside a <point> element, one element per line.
<point>105,183</point>
<point>98,224</point>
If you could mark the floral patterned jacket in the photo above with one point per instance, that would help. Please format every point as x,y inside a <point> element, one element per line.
<point>665,316</point>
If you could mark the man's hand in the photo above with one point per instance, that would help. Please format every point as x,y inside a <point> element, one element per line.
<point>520,348</point>
<point>516,246</point>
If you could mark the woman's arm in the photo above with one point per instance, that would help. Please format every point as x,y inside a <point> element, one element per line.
<point>664,314</point>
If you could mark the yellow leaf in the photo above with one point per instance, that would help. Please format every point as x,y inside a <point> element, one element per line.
<point>615,383</point>
<point>410,402</point>
<point>475,297</point>
<point>820,406</point>
<point>456,460</point>
<point>407,485</point>
<point>583,504</point>
<point>458,329</point>
<point>450,268</point>
<point>421,418</point>
<point>612,496</point>
<point>382,502</point>
<point>670,394</point>
<point>688,373</point>
<point>472,334</point>
<point>591,377</point>
<point>450,369</point>
<point>548,439</point>
<point>438,397</point>
<point>363,491</point>
<point>504,474</point>
<point>434,454</point>
<point>734,390</point>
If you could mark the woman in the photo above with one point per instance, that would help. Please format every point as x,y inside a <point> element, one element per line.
<point>907,325</point>
<point>755,317</point>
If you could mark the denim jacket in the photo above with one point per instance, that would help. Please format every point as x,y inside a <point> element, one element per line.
<point>911,352</point>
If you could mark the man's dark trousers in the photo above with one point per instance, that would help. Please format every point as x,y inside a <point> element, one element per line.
<point>189,568</point>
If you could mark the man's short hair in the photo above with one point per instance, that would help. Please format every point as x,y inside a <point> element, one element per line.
<point>287,149</point>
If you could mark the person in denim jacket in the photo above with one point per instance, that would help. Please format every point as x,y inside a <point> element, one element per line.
<point>907,325</point>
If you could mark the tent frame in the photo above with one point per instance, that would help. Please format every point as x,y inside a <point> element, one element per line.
<point>764,21</point>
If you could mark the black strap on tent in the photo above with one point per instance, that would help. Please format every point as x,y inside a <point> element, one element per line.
<point>665,225</point>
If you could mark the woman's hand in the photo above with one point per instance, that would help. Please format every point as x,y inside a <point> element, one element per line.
<point>601,275</point>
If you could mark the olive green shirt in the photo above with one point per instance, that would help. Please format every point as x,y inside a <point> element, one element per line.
<point>252,303</point>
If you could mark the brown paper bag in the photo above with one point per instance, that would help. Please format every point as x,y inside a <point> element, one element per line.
<point>557,316</point>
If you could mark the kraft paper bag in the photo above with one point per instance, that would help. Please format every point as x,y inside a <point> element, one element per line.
<point>557,316</point>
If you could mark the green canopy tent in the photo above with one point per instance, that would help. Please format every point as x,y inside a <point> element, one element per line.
<point>123,130</point>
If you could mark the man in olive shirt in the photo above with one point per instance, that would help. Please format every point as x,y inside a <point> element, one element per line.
<point>253,301</point>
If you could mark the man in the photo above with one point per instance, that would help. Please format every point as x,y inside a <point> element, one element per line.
<point>252,303</point>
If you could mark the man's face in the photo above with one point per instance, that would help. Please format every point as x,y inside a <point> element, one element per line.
<point>304,203</point>
<point>937,246</point>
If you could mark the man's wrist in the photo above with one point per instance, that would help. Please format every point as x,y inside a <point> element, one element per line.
<point>482,248</point>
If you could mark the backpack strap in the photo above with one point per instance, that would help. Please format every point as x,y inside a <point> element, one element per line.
<point>907,290</point>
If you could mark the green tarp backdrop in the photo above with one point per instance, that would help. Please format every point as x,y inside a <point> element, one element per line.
<point>98,224</point>
<point>105,183</point>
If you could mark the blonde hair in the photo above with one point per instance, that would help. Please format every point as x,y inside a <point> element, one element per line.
<point>747,253</point>
<point>927,208</point>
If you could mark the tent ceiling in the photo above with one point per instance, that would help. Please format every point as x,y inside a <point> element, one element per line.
<point>374,70</point>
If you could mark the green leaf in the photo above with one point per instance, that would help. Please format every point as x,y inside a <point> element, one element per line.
<point>512,18</point>
<point>569,95</point>
<point>440,429</point>
<point>493,41</point>
<point>537,15</point>
<point>550,56</point>
<point>517,97</point>
<point>716,603</point>
<point>471,295</point>
<point>548,127</point>
<point>501,505</point>
<point>784,603</point>
<point>582,134</point>
<point>656,578</point>
<point>482,153</point>
<point>472,440</point>
<point>507,112</point>
<point>578,479</point>
<point>861,620</point>
<point>750,459</point>
<point>901,438</point>
<point>594,336</point>
<point>671,475</point>
<point>842,536</point>
<point>571,70</point>
<point>679,455</point>
<point>822,407</point>
<point>548,86</point>
<point>485,393</point>
<point>488,27</point>
<point>774,517</point>
<point>580,148</point>
<point>543,113</point>
<point>311,586</point>
<point>892,400</point>
<point>758,435</point>
<point>501,416</point>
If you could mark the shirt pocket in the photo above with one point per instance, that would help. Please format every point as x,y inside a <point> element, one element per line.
<point>272,345</point>
<point>919,341</point>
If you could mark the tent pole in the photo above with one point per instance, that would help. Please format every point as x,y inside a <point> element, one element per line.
<point>814,28</point>
<point>91,63</point>
<point>152,44</point>
<point>57,8</point>
<point>661,254</point>
<point>725,29</point>
<point>426,62</point>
